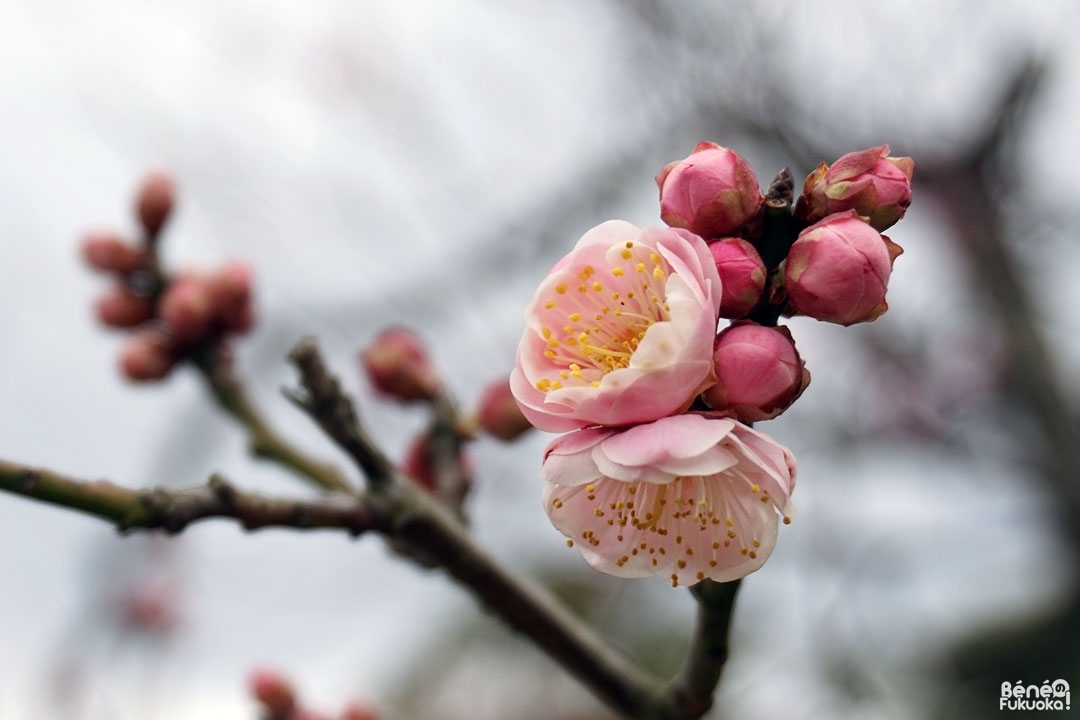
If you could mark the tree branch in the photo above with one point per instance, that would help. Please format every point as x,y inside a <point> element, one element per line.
<point>173,510</point>
<point>266,443</point>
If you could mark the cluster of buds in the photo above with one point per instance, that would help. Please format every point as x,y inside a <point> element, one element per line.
<point>659,472</point>
<point>169,318</point>
<point>277,700</point>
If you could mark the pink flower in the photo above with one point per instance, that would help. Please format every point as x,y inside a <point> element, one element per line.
<point>712,193</point>
<point>687,497</point>
<point>621,330</point>
<point>742,274</point>
<point>876,186</point>
<point>838,270</point>
<point>758,372</point>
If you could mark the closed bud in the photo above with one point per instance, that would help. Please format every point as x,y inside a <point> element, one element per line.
<point>273,691</point>
<point>759,372</point>
<point>230,291</point>
<point>122,308</point>
<point>742,276</point>
<point>146,356</point>
<point>397,365</point>
<point>498,413</point>
<point>110,253</point>
<point>187,308</point>
<point>712,193</point>
<point>154,202</point>
<point>871,183</point>
<point>838,270</point>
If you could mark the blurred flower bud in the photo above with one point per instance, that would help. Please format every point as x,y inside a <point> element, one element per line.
<point>759,373</point>
<point>187,308</point>
<point>869,182</point>
<point>308,714</point>
<point>417,462</point>
<point>498,413</point>
<point>154,202</point>
<point>397,365</point>
<point>357,710</point>
<point>147,355</point>
<point>273,691</point>
<point>838,270</point>
<point>230,291</point>
<point>109,253</point>
<point>123,309</point>
<point>712,193</point>
<point>742,276</point>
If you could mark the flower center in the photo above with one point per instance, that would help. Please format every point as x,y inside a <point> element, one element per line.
<point>594,329</point>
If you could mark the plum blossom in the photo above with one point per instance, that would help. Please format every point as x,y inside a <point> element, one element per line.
<point>621,330</point>
<point>687,497</point>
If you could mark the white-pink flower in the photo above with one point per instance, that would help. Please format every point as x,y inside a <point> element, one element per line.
<point>621,330</point>
<point>687,497</point>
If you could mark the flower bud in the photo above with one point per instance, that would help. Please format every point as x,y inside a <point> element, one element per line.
<point>146,356</point>
<point>109,253</point>
<point>230,291</point>
<point>417,462</point>
<point>838,270</point>
<point>122,308</point>
<point>154,202</point>
<point>759,372</point>
<point>187,308</point>
<point>712,193</point>
<point>498,413</point>
<point>397,365</point>
<point>742,276</point>
<point>869,182</point>
<point>273,691</point>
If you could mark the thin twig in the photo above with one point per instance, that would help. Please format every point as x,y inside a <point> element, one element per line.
<point>173,510</point>
<point>266,442</point>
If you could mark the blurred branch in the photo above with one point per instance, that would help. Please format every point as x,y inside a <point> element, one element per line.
<point>173,510</point>
<point>266,443</point>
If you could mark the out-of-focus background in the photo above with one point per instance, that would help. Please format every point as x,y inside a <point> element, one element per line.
<point>423,164</point>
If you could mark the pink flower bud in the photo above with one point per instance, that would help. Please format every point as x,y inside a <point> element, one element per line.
<point>742,276</point>
<point>869,182</point>
<point>230,291</point>
<point>397,365</point>
<point>187,308</point>
<point>123,309</point>
<point>498,413</point>
<point>146,356</point>
<point>357,710</point>
<point>838,270</point>
<point>309,714</point>
<point>154,202</point>
<point>712,193</point>
<point>419,464</point>
<point>273,691</point>
<point>109,253</point>
<point>759,373</point>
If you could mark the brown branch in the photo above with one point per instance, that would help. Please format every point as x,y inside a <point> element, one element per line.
<point>266,443</point>
<point>172,510</point>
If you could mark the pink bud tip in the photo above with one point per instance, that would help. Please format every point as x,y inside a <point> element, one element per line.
<point>187,308</point>
<point>231,294</point>
<point>122,308</point>
<point>713,192</point>
<point>273,691</point>
<point>357,710</point>
<point>146,356</point>
<point>397,365</point>
<point>742,276</point>
<point>109,253</point>
<point>871,183</point>
<point>154,202</point>
<point>838,270</point>
<point>759,373</point>
<point>498,413</point>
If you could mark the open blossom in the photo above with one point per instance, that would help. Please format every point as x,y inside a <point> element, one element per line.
<point>686,497</point>
<point>876,186</point>
<point>620,331</point>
